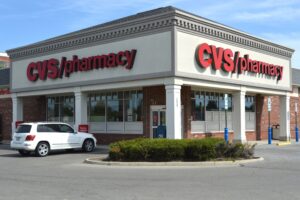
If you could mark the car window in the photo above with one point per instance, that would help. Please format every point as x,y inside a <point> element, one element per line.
<point>23,129</point>
<point>54,127</point>
<point>45,128</point>
<point>65,129</point>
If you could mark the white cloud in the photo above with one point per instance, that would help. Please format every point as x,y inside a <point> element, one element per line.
<point>275,15</point>
<point>251,10</point>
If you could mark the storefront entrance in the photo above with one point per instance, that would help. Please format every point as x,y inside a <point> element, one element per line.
<point>158,122</point>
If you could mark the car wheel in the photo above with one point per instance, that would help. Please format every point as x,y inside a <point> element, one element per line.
<point>24,152</point>
<point>42,149</point>
<point>88,145</point>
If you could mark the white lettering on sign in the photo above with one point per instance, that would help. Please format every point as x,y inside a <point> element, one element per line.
<point>269,104</point>
<point>226,101</point>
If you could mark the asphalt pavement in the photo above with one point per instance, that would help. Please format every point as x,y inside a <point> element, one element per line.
<point>63,175</point>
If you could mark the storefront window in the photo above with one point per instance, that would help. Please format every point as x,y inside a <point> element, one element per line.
<point>198,109</point>
<point>208,101</point>
<point>115,107</point>
<point>222,102</point>
<point>211,101</point>
<point>67,109</point>
<point>133,106</point>
<point>96,108</point>
<point>53,109</point>
<point>61,108</point>
<point>250,103</point>
<point>208,111</point>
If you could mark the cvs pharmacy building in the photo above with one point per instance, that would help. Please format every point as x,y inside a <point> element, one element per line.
<point>161,67</point>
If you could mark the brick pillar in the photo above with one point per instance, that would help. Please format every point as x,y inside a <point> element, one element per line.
<point>259,110</point>
<point>186,102</point>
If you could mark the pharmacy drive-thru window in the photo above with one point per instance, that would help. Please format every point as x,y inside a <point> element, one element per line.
<point>161,73</point>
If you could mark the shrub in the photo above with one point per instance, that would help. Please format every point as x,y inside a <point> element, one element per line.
<point>202,149</point>
<point>165,150</point>
<point>235,151</point>
<point>169,150</point>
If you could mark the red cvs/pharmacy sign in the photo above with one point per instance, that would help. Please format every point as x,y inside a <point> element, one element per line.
<point>229,61</point>
<point>54,68</point>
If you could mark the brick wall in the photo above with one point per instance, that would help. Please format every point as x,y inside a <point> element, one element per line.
<point>263,115</point>
<point>6,118</point>
<point>186,102</point>
<point>112,137</point>
<point>34,109</point>
<point>293,115</point>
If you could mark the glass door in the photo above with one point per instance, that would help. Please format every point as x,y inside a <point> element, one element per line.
<point>158,122</point>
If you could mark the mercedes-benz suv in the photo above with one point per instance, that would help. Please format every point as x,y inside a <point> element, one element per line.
<point>43,137</point>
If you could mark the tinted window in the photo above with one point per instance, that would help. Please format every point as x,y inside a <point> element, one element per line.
<point>45,128</point>
<point>65,129</point>
<point>23,129</point>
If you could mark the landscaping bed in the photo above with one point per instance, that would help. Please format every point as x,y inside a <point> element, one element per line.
<point>163,150</point>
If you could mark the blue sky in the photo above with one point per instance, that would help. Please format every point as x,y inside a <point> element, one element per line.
<point>25,22</point>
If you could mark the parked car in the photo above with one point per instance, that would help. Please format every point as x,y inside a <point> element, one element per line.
<point>43,137</point>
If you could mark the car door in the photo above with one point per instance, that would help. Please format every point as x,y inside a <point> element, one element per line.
<point>53,135</point>
<point>72,138</point>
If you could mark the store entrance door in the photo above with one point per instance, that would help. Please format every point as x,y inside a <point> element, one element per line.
<point>158,122</point>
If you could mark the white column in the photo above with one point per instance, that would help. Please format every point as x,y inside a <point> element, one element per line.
<point>284,118</point>
<point>239,124</point>
<point>17,106</point>
<point>80,108</point>
<point>173,112</point>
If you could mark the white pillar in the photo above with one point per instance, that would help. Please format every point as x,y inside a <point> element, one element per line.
<point>284,118</point>
<point>173,112</point>
<point>17,106</point>
<point>239,118</point>
<point>80,108</point>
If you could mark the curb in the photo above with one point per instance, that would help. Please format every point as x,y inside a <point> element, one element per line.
<point>283,143</point>
<point>99,161</point>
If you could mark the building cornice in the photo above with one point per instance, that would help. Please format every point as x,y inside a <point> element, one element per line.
<point>145,23</point>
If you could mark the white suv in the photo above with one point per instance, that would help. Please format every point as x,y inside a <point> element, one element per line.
<point>41,137</point>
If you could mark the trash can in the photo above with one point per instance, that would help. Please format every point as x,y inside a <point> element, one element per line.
<point>161,132</point>
<point>276,132</point>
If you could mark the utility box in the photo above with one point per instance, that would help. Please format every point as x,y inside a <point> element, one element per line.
<point>161,132</point>
<point>276,132</point>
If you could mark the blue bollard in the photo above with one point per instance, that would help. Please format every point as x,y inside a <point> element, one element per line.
<point>269,135</point>
<point>297,134</point>
<point>226,135</point>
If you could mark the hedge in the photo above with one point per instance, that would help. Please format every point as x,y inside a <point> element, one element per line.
<point>146,149</point>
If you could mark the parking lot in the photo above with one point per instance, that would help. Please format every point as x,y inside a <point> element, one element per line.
<point>64,176</point>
